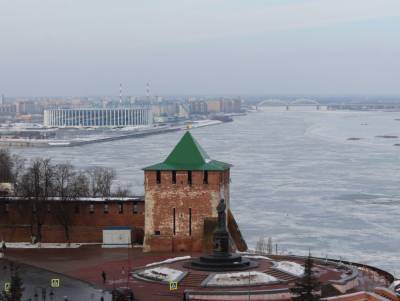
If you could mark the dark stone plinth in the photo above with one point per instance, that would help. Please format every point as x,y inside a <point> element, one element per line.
<point>221,260</point>
<point>232,262</point>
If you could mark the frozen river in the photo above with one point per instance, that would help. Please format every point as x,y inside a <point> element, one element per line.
<point>296,178</point>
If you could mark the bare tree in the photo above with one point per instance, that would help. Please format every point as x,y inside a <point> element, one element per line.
<point>261,246</point>
<point>80,184</point>
<point>121,192</point>
<point>36,186</point>
<point>269,246</point>
<point>101,179</point>
<point>64,175</point>
<point>18,171</point>
<point>6,166</point>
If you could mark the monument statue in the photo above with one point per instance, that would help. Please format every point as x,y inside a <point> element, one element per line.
<point>222,259</point>
<point>221,209</point>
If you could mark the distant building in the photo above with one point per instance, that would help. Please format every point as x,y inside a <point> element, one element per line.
<point>8,109</point>
<point>28,108</point>
<point>198,107</point>
<point>141,115</point>
<point>215,106</point>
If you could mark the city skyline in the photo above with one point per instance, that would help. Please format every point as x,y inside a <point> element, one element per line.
<point>261,47</point>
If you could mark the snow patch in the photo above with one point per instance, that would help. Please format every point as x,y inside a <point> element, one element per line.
<point>257,257</point>
<point>27,245</point>
<point>169,260</point>
<point>161,274</point>
<point>240,279</point>
<point>290,267</point>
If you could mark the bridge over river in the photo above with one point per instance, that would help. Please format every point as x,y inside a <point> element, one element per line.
<point>302,104</point>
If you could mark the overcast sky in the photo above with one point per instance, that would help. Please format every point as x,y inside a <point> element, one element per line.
<point>87,47</point>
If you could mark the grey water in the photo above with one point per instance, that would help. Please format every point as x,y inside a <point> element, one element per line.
<point>296,178</point>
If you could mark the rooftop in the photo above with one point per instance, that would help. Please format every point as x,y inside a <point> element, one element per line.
<point>189,155</point>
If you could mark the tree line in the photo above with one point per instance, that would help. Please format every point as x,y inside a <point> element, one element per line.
<point>40,177</point>
<point>40,180</point>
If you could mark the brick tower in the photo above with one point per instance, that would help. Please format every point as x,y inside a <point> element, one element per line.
<point>181,193</point>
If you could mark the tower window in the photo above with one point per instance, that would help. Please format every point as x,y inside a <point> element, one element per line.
<point>157,232</point>
<point>174,177</point>
<point>190,221</point>
<point>158,177</point>
<point>6,208</point>
<point>190,177</point>
<point>91,208</point>
<point>105,208</point>
<point>120,208</point>
<point>205,177</point>
<point>174,221</point>
<point>135,209</point>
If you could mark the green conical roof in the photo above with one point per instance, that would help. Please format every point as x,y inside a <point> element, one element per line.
<point>189,155</point>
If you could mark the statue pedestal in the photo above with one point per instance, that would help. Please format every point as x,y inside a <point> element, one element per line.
<point>221,259</point>
<point>215,263</point>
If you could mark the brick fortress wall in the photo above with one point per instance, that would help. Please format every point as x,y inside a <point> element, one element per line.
<point>88,219</point>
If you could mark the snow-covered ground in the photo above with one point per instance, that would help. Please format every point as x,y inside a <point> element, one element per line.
<point>169,260</point>
<point>240,279</point>
<point>257,257</point>
<point>27,245</point>
<point>161,274</point>
<point>290,267</point>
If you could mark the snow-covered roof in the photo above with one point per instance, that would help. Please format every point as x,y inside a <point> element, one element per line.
<point>84,199</point>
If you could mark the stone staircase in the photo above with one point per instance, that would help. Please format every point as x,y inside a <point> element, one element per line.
<point>280,275</point>
<point>193,280</point>
<point>386,293</point>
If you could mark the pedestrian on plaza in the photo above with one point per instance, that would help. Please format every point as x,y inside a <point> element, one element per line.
<point>102,298</point>
<point>104,276</point>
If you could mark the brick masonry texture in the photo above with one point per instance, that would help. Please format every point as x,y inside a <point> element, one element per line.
<point>192,204</point>
<point>86,226</point>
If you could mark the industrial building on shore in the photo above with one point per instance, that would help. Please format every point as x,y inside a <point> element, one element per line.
<point>93,117</point>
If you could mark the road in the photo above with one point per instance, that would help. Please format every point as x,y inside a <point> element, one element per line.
<point>36,280</point>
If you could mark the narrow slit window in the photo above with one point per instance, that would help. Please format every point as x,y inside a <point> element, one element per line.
<point>120,208</point>
<point>190,177</point>
<point>135,208</point>
<point>174,220</point>
<point>190,221</point>
<point>174,177</point>
<point>205,177</point>
<point>6,207</point>
<point>91,208</point>
<point>158,177</point>
<point>105,208</point>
